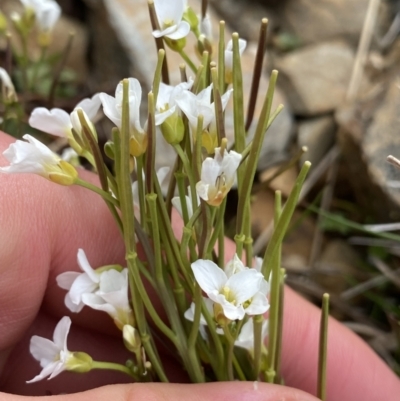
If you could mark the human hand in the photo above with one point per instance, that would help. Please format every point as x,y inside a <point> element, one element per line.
<point>42,225</point>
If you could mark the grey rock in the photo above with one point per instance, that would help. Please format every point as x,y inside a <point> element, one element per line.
<point>318,134</point>
<point>315,78</point>
<point>368,134</point>
<point>315,21</point>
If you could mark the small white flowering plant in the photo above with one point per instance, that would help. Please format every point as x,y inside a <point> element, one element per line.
<point>221,316</point>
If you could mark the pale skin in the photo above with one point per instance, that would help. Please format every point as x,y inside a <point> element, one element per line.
<point>42,225</point>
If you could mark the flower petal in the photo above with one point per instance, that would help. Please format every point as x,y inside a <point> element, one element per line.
<point>245,284</point>
<point>61,333</point>
<point>65,280</point>
<point>208,275</point>
<point>55,121</point>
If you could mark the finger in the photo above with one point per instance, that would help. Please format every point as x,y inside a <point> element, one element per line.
<point>42,225</point>
<point>232,391</point>
<point>22,367</point>
<point>354,372</point>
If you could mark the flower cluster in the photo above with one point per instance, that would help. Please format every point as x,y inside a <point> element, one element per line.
<point>197,291</point>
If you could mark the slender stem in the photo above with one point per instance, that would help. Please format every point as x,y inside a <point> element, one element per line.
<point>258,64</point>
<point>229,359</point>
<point>112,366</point>
<point>221,56</point>
<point>323,348</point>
<point>188,60</point>
<point>274,300</point>
<point>238,369</point>
<point>257,331</point>
<point>94,188</point>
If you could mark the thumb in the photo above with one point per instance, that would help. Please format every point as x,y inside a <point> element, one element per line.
<point>232,391</point>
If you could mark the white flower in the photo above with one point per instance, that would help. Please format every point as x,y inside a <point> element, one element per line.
<point>166,104</point>
<point>258,303</point>
<point>52,355</point>
<point>169,15</point>
<point>78,284</point>
<point>58,122</point>
<point>194,105</point>
<point>245,338</point>
<point>112,297</point>
<point>8,89</point>
<point>112,107</point>
<point>47,12</point>
<point>229,58</point>
<point>218,176</point>
<point>34,157</point>
<point>230,292</point>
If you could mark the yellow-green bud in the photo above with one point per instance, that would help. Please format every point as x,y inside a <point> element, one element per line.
<point>173,129</point>
<point>109,150</point>
<point>219,316</point>
<point>175,45</point>
<point>138,144</point>
<point>209,141</point>
<point>131,338</point>
<point>44,39</point>
<point>79,362</point>
<point>67,174</point>
<point>191,18</point>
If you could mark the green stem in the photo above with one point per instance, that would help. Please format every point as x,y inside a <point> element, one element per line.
<point>229,359</point>
<point>274,301</point>
<point>105,195</point>
<point>187,60</point>
<point>323,348</point>
<point>257,330</point>
<point>112,366</point>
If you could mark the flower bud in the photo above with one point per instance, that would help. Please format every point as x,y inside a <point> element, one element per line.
<point>173,129</point>
<point>219,316</point>
<point>131,338</point>
<point>191,18</point>
<point>138,144</point>
<point>66,175</point>
<point>209,141</point>
<point>79,362</point>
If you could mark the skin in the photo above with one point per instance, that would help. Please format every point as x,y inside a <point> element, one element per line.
<point>42,225</point>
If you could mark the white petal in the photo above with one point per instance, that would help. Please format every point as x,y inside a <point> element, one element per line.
<point>245,284</point>
<point>208,275</point>
<point>47,370</point>
<point>259,304</point>
<point>110,108</point>
<point>55,121</point>
<point>97,302</point>
<point>234,266</point>
<point>48,15</point>
<point>85,266</point>
<point>202,190</point>
<point>83,284</point>
<point>65,280</point>
<point>43,350</point>
<point>231,311</point>
<point>75,308</point>
<point>181,31</point>
<point>61,333</point>
<point>90,106</point>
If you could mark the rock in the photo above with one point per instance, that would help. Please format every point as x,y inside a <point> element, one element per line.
<point>318,134</point>
<point>313,22</point>
<point>109,60</point>
<point>368,134</point>
<point>337,264</point>
<point>245,18</point>
<point>315,78</point>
